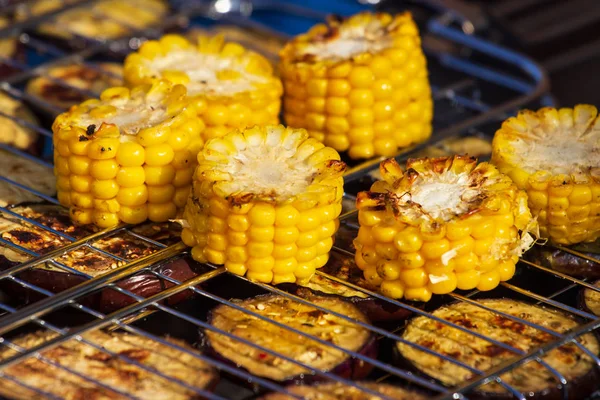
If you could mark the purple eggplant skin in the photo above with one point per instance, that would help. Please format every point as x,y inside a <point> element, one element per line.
<point>564,262</point>
<point>577,389</point>
<point>351,368</point>
<point>581,299</point>
<point>375,309</point>
<point>107,300</point>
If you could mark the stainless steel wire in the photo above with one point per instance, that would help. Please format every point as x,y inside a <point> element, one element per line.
<point>126,317</point>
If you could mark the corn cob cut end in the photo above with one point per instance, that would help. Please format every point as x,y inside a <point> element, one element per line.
<point>554,155</point>
<point>234,87</point>
<point>265,203</point>
<point>128,156</point>
<point>445,223</point>
<point>359,84</point>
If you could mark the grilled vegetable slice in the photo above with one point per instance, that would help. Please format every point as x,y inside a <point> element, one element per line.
<point>11,131</point>
<point>265,203</point>
<point>234,87</point>
<point>591,300</point>
<point>446,223</point>
<point>333,391</point>
<point>343,268</point>
<point>127,157</point>
<point>305,318</point>
<point>90,262</point>
<point>567,263</point>
<point>99,20</point>
<point>25,172</point>
<point>53,86</point>
<point>359,85</point>
<point>103,367</point>
<point>532,378</point>
<point>555,155</point>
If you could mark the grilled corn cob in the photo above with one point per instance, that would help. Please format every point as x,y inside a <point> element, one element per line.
<point>446,223</point>
<point>555,156</point>
<point>265,203</point>
<point>127,157</point>
<point>359,85</point>
<point>234,88</point>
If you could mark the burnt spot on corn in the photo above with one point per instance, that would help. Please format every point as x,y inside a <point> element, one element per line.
<point>82,138</point>
<point>91,129</point>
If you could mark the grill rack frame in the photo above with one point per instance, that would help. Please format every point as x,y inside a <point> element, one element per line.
<point>127,315</point>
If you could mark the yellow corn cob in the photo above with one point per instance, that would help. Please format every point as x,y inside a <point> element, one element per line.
<point>265,203</point>
<point>359,85</point>
<point>127,157</point>
<point>555,156</point>
<point>234,87</point>
<point>446,223</point>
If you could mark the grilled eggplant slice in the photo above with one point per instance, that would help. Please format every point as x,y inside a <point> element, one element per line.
<point>533,378</point>
<point>109,370</point>
<point>56,85</point>
<point>10,49</point>
<point>343,268</point>
<point>566,263</point>
<point>25,172</point>
<point>339,391</point>
<point>301,317</point>
<point>590,300</point>
<point>88,261</point>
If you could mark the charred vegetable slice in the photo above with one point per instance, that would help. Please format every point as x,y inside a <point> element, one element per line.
<point>307,319</point>
<point>591,300</point>
<point>576,366</point>
<point>107,369</point>
<point>25,172</point>
<point>445,223</point>
<point>338,391</point>
<point>11,131</point>
<point>86,260</point>
<point>555,155</point>
<point>265,203</point>
<point>359,84</point>
<point>58,85</point>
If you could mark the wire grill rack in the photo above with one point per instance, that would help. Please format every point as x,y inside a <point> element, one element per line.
<point>470,97</point>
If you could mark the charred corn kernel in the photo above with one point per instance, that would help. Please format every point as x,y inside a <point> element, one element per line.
<point>128,159</point>
<point>468,235</point>
<point>553,155</point>
<point>273,195</point>
<point>232,89</point>
<point>348,82</point>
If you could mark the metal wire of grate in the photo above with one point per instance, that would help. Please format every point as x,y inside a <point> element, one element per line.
<point>461,83</point>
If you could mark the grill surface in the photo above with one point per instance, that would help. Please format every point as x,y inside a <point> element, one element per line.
<point>471,98</point>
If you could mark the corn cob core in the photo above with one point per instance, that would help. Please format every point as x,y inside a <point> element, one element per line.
<point>127,157</point>
<point>446,223</point>
<point>555,156</point>
<point>235,88</point>
<point>359,85</point>
<point>265,203</point>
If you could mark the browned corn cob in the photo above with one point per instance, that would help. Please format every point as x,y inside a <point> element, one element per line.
<point>359,85</point>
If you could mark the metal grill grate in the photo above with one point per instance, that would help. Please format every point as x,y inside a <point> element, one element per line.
<point>470,96</point>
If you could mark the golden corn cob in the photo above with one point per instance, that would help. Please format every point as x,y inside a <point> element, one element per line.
<point>234,87</point>
<point>446,223</point>
<point>265,203</point>
<point>127,157</point>
<point>359,85</point>
<point>555,156</point>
